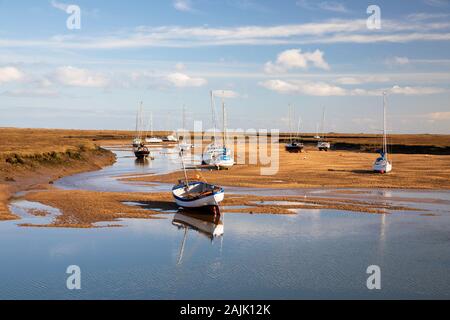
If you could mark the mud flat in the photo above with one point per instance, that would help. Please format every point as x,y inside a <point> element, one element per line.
<point>334,169</point>
<point>31,159</point>
<point>34,158</point>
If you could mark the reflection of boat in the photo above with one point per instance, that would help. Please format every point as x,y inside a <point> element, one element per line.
<point>196,194</point>
<point>382,164</point>
<point>141,162</point>
<point>210,226</point>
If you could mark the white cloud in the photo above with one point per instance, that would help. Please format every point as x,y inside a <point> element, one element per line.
<point>323,5</point>
<point>362,79</point>
<point>398,61</point>
<point>9,74</point>
<point>304,87</point>
<point>180,66</point>
<point>183,5</point>
<point>325,89</point>
<point>420,16</point>
<point>416,91</point>
<point>225,94</point>
<point>439,116</point>
<point>295,59</point>
<point>329,31</point>
<point>59,5</point>
<point>77,77</point>
<point>182,80</point>
<point>437,3</point>
<point>36,92</point>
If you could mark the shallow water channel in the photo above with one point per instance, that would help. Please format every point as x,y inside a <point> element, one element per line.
<point>311,254</point>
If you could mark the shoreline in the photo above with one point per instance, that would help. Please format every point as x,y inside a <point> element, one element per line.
<point>35,174</point>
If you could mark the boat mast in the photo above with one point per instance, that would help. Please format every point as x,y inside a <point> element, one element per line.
<point>290,121</point>
<point>224,124</point>
<point>323,124</point>
<point>213,115</point>
<point>151,124</point>
<point>384,125</point>
<point>139,122</point>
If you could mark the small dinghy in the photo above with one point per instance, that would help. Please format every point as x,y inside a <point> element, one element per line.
<point>197,194</point>
<point>141,152</point>
<point>294,147</point>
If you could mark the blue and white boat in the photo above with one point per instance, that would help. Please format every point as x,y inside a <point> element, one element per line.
<point>382,164</point>
<point>197,194</point>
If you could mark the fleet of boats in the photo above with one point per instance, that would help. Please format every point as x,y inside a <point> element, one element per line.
<point>197,193</point>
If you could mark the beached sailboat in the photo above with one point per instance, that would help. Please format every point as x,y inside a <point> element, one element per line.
<point>322,144</point>
<point>183,142</point>
<point>139,148</point>
<point>293,146</point>
<point>152,139</point>
<point>218,155</point>
<point>382,164</point>
<point>196,194</point>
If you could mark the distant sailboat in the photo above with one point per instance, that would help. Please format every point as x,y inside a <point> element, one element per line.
<point>184,145</point>
<point>218,155</point>
<point>139,148</point>
<point>293,146</point>
<point>382,164</point>
<point>152,139</point>
<point>322,144</point>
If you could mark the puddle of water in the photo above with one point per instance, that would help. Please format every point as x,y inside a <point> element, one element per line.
<point>25,209</point>
<point>285,203</point>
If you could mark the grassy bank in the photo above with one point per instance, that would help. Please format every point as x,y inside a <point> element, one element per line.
<point>31,159</point>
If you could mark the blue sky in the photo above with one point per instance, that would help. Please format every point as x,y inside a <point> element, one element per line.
<point>262,54</point>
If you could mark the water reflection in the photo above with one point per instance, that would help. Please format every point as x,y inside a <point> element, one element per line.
<point>209,224</point>
<point>144,162</point>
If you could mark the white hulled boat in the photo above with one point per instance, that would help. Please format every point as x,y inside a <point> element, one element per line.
<point>382,164</point>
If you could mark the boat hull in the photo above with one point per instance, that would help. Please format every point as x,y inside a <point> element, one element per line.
<point>324,146</point>
<point>142,154</point>
<point>294,148</point>
<point>382,168</point>
<point>211,199</point>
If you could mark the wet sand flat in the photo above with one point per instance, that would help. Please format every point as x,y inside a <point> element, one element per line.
<point>334,169</point>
